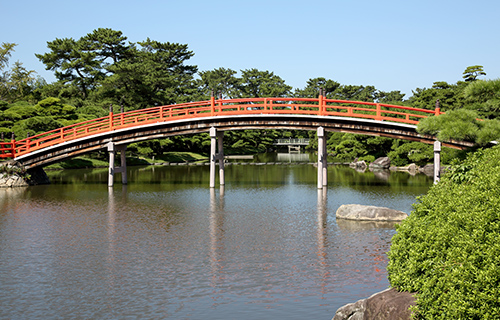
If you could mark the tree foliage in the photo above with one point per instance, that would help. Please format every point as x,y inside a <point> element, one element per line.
<point>484,97</point>
<point>18,82</point>
<point>103,68</point>
<point>472,72</point>
<point>448,249</point>
<point>461,125</point>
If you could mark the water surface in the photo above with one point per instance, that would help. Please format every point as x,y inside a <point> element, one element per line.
<point>266,246</point>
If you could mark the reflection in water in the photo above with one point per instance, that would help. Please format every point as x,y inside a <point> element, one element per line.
<point>267,246</point>
<point>321,235</point>
<point>216,233</point>
<point>355,225</point>
<point>293,157</point>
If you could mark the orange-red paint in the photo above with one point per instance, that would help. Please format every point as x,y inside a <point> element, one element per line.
<point>309,106</point>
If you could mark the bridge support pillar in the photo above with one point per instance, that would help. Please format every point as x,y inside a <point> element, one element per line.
<point>216,153</point>
<point>322,159</point>
<point>112,149</point>
<point>437,161</point>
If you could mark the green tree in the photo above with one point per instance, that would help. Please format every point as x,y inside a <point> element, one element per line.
<point>450,96</point>
<point>256,83</point>
<point>484,97</point>
<point>472,72</point>
<point>220,81</point>
<point>18,83</point>
<point>462,125</point>
<point>313,86</point>
<point>104,69</point>
<point>74,62</point>
<point>6,50</point>
<point>392,97</point>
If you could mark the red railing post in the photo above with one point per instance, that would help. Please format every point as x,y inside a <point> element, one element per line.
<point>320,102</point>
<point>28,141</point>
<point>378,115</point>
<point>437,110</point>
<point>110,117</point>
<point>212,105</point>
<point>13,145</point>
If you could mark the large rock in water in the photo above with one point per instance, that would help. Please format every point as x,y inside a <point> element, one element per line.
<point>388,304</point>
<point>380,163</point>
<point>371,213</point>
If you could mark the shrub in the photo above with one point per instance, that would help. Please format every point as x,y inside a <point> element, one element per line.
<point>448,249</point>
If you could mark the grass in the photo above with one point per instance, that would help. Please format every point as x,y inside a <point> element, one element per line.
<point>92,162</point>
<point>181,157</point>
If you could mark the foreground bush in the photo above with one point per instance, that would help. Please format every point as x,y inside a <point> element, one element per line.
<point>448,249</point>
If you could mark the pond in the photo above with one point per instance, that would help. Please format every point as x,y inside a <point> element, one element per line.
<point>267,245</point>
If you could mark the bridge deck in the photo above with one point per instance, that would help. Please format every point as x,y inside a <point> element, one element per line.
<point>225,114</point>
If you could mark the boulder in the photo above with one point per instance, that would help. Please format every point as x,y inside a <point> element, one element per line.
<point>358,164</point>
<point>13,174</point>
<point>371,213</point>
<point>380,163</point>
<point>388,304</point>
<point>11,181</point>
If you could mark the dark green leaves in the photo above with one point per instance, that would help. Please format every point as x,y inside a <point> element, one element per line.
<point>448,249</point>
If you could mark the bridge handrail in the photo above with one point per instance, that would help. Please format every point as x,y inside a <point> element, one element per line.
<point>217,107</point>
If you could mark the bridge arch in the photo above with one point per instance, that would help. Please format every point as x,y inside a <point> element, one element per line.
<point>72,148</point>
<point>224,115</point>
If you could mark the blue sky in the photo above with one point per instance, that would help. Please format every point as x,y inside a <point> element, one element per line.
<point>392,45</point>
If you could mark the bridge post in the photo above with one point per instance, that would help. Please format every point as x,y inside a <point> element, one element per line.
<point>220,156</point>
<point>214,156</point>
<point>112,149</point>
<point>437,161</point>
<point>322,159</point>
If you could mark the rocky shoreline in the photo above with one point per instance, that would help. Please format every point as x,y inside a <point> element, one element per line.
<point>384,163</point>
<point>385,305</point>
<point>13,174</point>
<point>388,304</point>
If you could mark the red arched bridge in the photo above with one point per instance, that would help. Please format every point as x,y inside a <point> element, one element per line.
<point>117,130</point>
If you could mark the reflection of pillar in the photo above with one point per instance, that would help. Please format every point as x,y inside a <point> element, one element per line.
<point>112,149</point>
<point>216,232</point>
<point>111,226</point>
<point>214,156</point>
<point>437,161</point>
<point>322,159</point>
<point>320,235</point>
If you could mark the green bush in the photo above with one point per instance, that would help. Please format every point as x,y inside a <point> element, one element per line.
<point>448,249</point>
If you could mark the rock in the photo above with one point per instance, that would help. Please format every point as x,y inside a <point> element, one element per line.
<point>380,163</point>
<point>11,181</point>
<point>371,213</point>
<point>14,175</point>
<point>351,311</point>
<point>388,304</point>
<point>412,168</point>
<point>358,164</point>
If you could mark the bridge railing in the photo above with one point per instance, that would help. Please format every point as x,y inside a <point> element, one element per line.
<point>212,108</point>
<point>292,141</point>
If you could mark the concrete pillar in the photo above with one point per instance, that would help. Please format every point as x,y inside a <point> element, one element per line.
<point>112,149</point>
<point>123,163</point>
<point>111,172</point>
<point>213,147</point>
<point>220,155</point>
<point>325,161</point>
<point>437,161</point>
<point>321,157</point>
<point>216,143</point>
